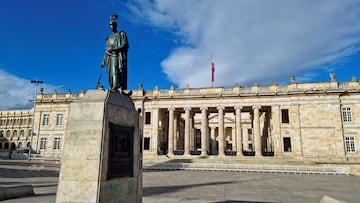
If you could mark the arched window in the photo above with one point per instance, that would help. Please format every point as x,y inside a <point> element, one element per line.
<point>1,145</point>
<point>22,133</point>
<point>15,133</point>
<point>20,145</point>
<point>29,132</point>
<point>1,133</point>
<point>13,146</point>
<point>8,133</point>
<point>28,144</point>
<point>6,146</point>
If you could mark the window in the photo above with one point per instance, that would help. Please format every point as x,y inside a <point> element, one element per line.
<point>285,115</point>
<point>29,133</point>
<point>8,133</point>
<point>15,133</point>
<point>45,120</point>
<point>43,143</point>
<point>287,144</point>
<point>198,138</point>
<point>59,119</point>
<point>146,143</point>
<point>13,146</point>
<point>6,146</point>
<point>22,133</point>
<point>147,117</point>
<point>346,113</point>
<point>350,144</point>
<point>57,143</point>
<point>1,133</point>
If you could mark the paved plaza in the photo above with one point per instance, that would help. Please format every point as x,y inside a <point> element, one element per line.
<point>195,186</point>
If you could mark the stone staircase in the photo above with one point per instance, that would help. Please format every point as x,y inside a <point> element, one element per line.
<point>246,164</point>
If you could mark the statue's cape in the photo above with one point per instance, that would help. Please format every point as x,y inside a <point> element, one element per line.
<point>124,39</point>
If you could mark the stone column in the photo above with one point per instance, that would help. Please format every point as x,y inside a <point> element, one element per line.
<point>171,132</point>
<point>275,134</point>
<point>257,135</point>
<point>239,138</point>
<point>246,139</point>
<point>155,131</point>
<point>207,136</point>
<point>175,129</point>
<point>221,139</point>
<point>213,140</point>
<point>187,131</point>
<point>192,132</point>
<point>204,129</point>
<point>233,139</point>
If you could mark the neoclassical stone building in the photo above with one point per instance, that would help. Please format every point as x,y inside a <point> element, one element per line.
<point>15,129</point>
<point>51,113</point>
<point>304,121</point>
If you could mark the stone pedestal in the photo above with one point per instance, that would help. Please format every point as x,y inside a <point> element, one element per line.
<point>101,160</point>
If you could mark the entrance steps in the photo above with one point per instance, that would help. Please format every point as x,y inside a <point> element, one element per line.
<point>243,164</point>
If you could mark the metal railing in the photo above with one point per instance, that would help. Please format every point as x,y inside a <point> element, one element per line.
<point>323,170</point>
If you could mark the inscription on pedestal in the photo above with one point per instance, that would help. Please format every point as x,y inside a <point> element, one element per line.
<point>120,151</point>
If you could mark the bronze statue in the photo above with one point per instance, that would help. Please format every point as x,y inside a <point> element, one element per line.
<point>115,57</point>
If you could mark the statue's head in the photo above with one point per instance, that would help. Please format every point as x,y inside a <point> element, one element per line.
<point>113,23</point>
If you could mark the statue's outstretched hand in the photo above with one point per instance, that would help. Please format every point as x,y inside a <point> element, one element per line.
<point>102,65</point>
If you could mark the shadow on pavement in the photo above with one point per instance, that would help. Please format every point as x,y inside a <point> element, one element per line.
<point>235,201</point>
<point>21,173</point>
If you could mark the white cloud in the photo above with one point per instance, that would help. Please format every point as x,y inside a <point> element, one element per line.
<point>252,40</point>
<point>15,92</point>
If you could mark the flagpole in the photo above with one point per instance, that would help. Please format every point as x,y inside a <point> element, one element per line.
<point>212,71</point>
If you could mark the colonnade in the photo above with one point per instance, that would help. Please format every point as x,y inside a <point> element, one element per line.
<point>238,135</point>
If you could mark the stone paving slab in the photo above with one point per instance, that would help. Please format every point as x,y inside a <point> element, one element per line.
<point>248,187</point>
<point>196,186</point>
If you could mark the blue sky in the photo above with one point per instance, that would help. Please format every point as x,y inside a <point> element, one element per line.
<point>62,43</point>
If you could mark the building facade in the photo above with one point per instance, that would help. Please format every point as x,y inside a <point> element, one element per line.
<point>15,129</point>
<point>305,121</point>
<point>49,125</point>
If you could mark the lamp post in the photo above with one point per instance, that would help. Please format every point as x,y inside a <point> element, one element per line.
<point>36,82</point>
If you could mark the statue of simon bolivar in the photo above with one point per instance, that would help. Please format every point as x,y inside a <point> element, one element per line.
<point>115,57</point>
